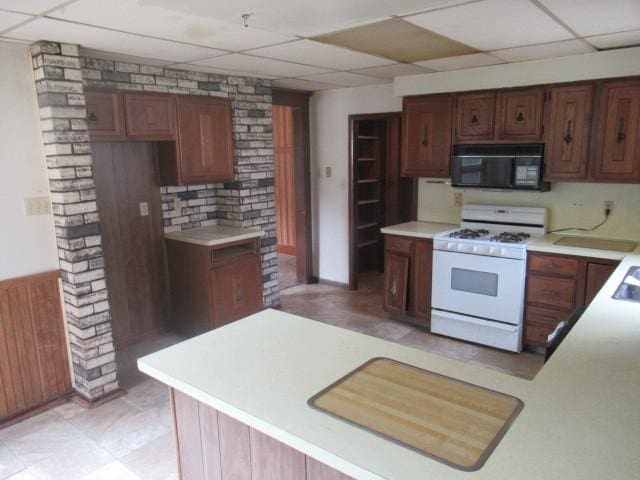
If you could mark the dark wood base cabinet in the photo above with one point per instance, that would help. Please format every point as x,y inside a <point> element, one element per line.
<point>214,446</point>
<point>556,286</point>
<point>407,277</point>
<point>213,285</point>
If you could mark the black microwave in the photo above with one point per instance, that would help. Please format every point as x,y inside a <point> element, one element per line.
<point>510,167</point>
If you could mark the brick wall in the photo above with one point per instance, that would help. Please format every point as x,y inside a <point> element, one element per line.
<point>248,201</point>
<point>58,80</point>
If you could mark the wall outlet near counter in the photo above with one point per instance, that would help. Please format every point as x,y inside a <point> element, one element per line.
<point>457,199</point>
<point>608,206</point>
<point>37,206</point>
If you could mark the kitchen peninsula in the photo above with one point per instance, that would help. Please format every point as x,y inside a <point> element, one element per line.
<point>579,418</point>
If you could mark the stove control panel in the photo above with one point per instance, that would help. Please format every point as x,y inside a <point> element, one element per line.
<point>460,246</point>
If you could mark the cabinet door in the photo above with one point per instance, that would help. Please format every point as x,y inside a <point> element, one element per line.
<point>150,115</point>
<point>617,150</point>
<point>105,119</point>
<point>396,275</point>
<point>567,133</point>
<point>421,266</point>
<point>475,116</point>
<point>597,275</point>
<point>520,114</point>
<point>236,290</point>
<point>205,141</point>
<point>426,144</point>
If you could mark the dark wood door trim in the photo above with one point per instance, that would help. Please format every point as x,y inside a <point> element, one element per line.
<point>302,178</point>
<point>353,269</point>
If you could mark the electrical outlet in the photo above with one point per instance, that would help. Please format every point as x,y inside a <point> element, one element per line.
<point>327,171</point>
<point>457,199</point>
<point>37,206</point>
<point>608,206</point>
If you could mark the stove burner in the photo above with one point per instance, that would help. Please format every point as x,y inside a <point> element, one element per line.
<point>469,233</point>
<point>510,237</point>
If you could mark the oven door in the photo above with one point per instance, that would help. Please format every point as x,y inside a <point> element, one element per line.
<point>477,285</point>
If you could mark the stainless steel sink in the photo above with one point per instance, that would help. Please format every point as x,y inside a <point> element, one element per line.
<point>629,289</point>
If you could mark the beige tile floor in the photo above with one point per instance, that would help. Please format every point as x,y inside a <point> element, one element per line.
<point>130,438</point>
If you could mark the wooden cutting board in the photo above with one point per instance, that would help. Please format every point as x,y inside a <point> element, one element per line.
<point>443,418</point>
<point>597,243</point>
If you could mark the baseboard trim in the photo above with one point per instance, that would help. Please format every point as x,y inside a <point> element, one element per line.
<point>33,411</point>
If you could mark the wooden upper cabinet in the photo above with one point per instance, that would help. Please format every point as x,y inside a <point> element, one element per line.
<point>520,114</point>
<point>475,114</point>
<point>205,148</point>
<point>616,155</point>
<point>150,115</point>
<point>105,118</point>
<point>568,132</point>
<point>426,143</point>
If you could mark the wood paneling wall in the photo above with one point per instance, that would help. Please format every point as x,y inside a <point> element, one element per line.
<point>34,362</point>
<point>283,151</point>
<point>214,446</point>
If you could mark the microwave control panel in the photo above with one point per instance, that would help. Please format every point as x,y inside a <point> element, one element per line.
<point>527,175</point>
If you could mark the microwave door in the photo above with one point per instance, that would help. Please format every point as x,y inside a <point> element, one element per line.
<point>484,171</point>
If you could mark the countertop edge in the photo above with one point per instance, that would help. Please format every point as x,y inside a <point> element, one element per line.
<point>293,441</point>
<point>218,241</point>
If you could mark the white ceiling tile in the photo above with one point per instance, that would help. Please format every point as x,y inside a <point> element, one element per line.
<point>14,40</point>
<point>320,54</point>
<point>9,19</point>
<point>615,40</point>
<point>392,71</point>
<point>143,18</point>
<point>34,7</point>
<point>303,18</point>
<point>109,40</point>
<point>300,84</point>
<point>472,60</point>
<point>595,17</point>
<point>545,50</point>
<point>494,24</point>
<point>260,65</point>
<point>345,79</point>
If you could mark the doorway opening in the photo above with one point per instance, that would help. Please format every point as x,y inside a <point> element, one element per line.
<point>378,195</point>
<point>290,114</point>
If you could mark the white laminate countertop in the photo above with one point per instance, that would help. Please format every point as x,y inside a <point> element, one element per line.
<point>580,419</point>
<point>214,235</point>
<point>418,229</point>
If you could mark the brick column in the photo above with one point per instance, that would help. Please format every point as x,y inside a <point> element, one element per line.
<point>58,79</point>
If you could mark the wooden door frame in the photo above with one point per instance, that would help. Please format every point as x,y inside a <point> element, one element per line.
<point>302,178</point>
<point>353,268</point>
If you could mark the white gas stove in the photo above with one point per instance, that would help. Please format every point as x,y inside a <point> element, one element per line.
<point>479,274</point>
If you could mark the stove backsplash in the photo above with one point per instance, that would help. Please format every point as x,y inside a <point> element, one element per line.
<point>568,204</point>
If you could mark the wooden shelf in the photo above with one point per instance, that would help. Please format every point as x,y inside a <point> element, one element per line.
<point>367,243</point>
<point>369,180</point>
<point>368,225</point>
<point>366,159</point>
<point>368,202</point>
<point>368,137</point>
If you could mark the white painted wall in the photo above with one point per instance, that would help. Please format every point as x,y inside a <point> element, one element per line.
<point>27,244</point>
<point>569,205</point>
<point>329,112</point>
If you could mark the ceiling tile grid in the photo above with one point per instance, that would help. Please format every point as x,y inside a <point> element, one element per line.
<point>329,44</point>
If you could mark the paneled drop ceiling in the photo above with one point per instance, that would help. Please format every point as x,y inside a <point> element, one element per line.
<point>316,45</point>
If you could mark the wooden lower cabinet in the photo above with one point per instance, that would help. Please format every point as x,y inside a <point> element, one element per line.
<point>213,286</point>
<point>408,266</point>
<point>214,446</point>
<point>556,286</point>
<point>34,363</point>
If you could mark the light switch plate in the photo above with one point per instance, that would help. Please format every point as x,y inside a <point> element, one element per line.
<point>457,199</point>
<point>37,206</point>
<point>144,209</point>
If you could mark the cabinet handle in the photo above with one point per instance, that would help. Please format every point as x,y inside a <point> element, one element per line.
<point>520,117</point>
<point>621,135</point>
<point>92,116</point>
<point>552,266</point>
<point>474,119</point>
<point>425,137</point>
<point>239,294</point>
<point>567,137</point>
<point>394,286</point>
<point>550,293</point>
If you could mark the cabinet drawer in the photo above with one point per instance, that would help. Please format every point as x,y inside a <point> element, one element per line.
<point>553,292</point>
<point>539,323</point>
<point>567,267</point>
<point>398,244</point>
